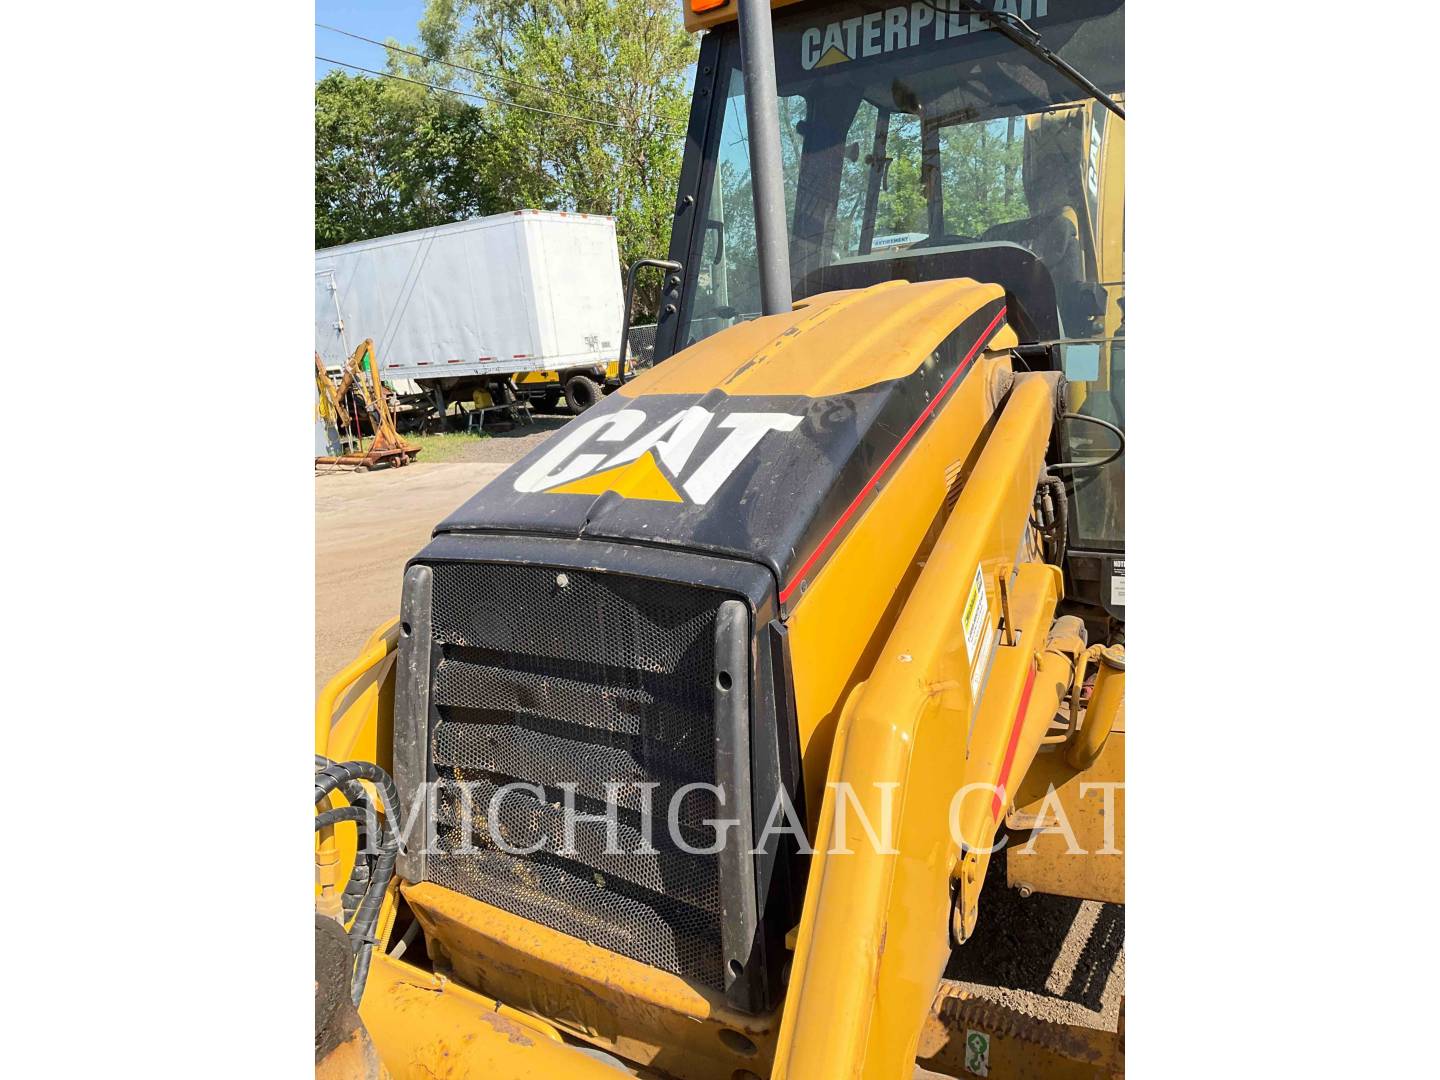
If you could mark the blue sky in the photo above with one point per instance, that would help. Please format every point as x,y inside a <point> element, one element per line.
<point>378,19</point>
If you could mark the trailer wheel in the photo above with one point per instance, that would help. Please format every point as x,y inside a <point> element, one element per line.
<point>581,392</point>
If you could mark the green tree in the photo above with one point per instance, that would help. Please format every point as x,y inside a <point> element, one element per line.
<point>980,166</point>
<point>618,64</point>
<point>391,157</point>
<point>902,206</point>
<point>980,176</point>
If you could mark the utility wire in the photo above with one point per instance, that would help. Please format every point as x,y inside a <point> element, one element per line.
<point>492,100</point>
<point>446,63</point>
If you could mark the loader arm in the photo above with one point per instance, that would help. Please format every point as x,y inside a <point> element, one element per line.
<point>874,935</point>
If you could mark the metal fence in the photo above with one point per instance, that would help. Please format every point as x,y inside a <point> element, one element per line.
<point>642,345</point>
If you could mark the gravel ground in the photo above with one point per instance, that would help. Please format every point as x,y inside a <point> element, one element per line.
<point>495,445</point>
<point>1050,957</point>
<point>508,446</point>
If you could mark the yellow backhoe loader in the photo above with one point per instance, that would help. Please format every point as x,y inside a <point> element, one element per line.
<point>699,728</point>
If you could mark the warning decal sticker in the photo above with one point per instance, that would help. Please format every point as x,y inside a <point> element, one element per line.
<point>976,619</point>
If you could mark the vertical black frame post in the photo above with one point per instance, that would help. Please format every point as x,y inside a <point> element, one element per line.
<point>767,176</point>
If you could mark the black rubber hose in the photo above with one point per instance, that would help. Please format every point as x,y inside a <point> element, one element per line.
<point>367,916</point>
<point>1076,465</point>
<point>1055,535</point>
<point>355,795</point>
<point>362,973</point>
<point>355,888</point>
<point>335,775</point>
<point>1062,517</point>
<point>342,813</point>
<point>360,874</point>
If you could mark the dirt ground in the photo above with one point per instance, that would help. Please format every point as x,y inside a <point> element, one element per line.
<point>1049,957</point>
<point>497,445</point>
<point>367,525</point>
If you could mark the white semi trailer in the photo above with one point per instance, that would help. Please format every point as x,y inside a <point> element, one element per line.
<point>530,296</point>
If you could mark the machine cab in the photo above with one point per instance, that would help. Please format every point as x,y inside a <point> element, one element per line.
<point>921,143</point>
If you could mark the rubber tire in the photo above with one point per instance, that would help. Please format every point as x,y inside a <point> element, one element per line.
<point>581,392</point>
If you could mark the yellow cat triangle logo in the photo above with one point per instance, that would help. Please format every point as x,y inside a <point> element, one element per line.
<point>832,57</point>
<point>639,479</point>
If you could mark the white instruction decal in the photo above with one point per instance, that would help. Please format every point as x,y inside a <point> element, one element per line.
<point>976,619</point>
<point>1117,583</point>
<point>982,665</point>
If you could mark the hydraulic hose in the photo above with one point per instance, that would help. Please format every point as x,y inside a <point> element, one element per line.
<point>333,775</point>
<point>1062,516</point>
<point>1077,465</point>
<point>329,777</point>
<point>355,795</point>
<point>1054,532</point>
<point>342,813</point>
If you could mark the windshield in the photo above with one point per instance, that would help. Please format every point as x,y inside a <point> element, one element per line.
<point>917,144</point>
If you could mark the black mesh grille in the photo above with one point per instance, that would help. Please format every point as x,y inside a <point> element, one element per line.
<point>558,677</point>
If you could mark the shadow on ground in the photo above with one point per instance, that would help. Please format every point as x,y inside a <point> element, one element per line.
<point>541,424</point>
<point>1050,956</point>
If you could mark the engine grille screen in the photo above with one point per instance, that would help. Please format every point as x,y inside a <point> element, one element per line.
<point>558,677</point>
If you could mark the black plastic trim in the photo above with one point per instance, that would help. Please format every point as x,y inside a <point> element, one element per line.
<point>696,168</point>
<point>410,752</point>
<point>738,917</point>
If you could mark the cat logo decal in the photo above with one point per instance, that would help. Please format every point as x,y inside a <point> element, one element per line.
<point>623,452</point>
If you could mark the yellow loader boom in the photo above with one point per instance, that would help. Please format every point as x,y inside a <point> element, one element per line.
<point>876,930</point>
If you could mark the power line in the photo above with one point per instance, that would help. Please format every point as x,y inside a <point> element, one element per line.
<point>446,63</point>
<point>482,74</point>
<point>492,100</point>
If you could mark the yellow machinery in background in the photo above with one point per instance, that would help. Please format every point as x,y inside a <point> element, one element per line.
<point>360,386</point>
<point>578,391</point>
<point>700,727</point>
